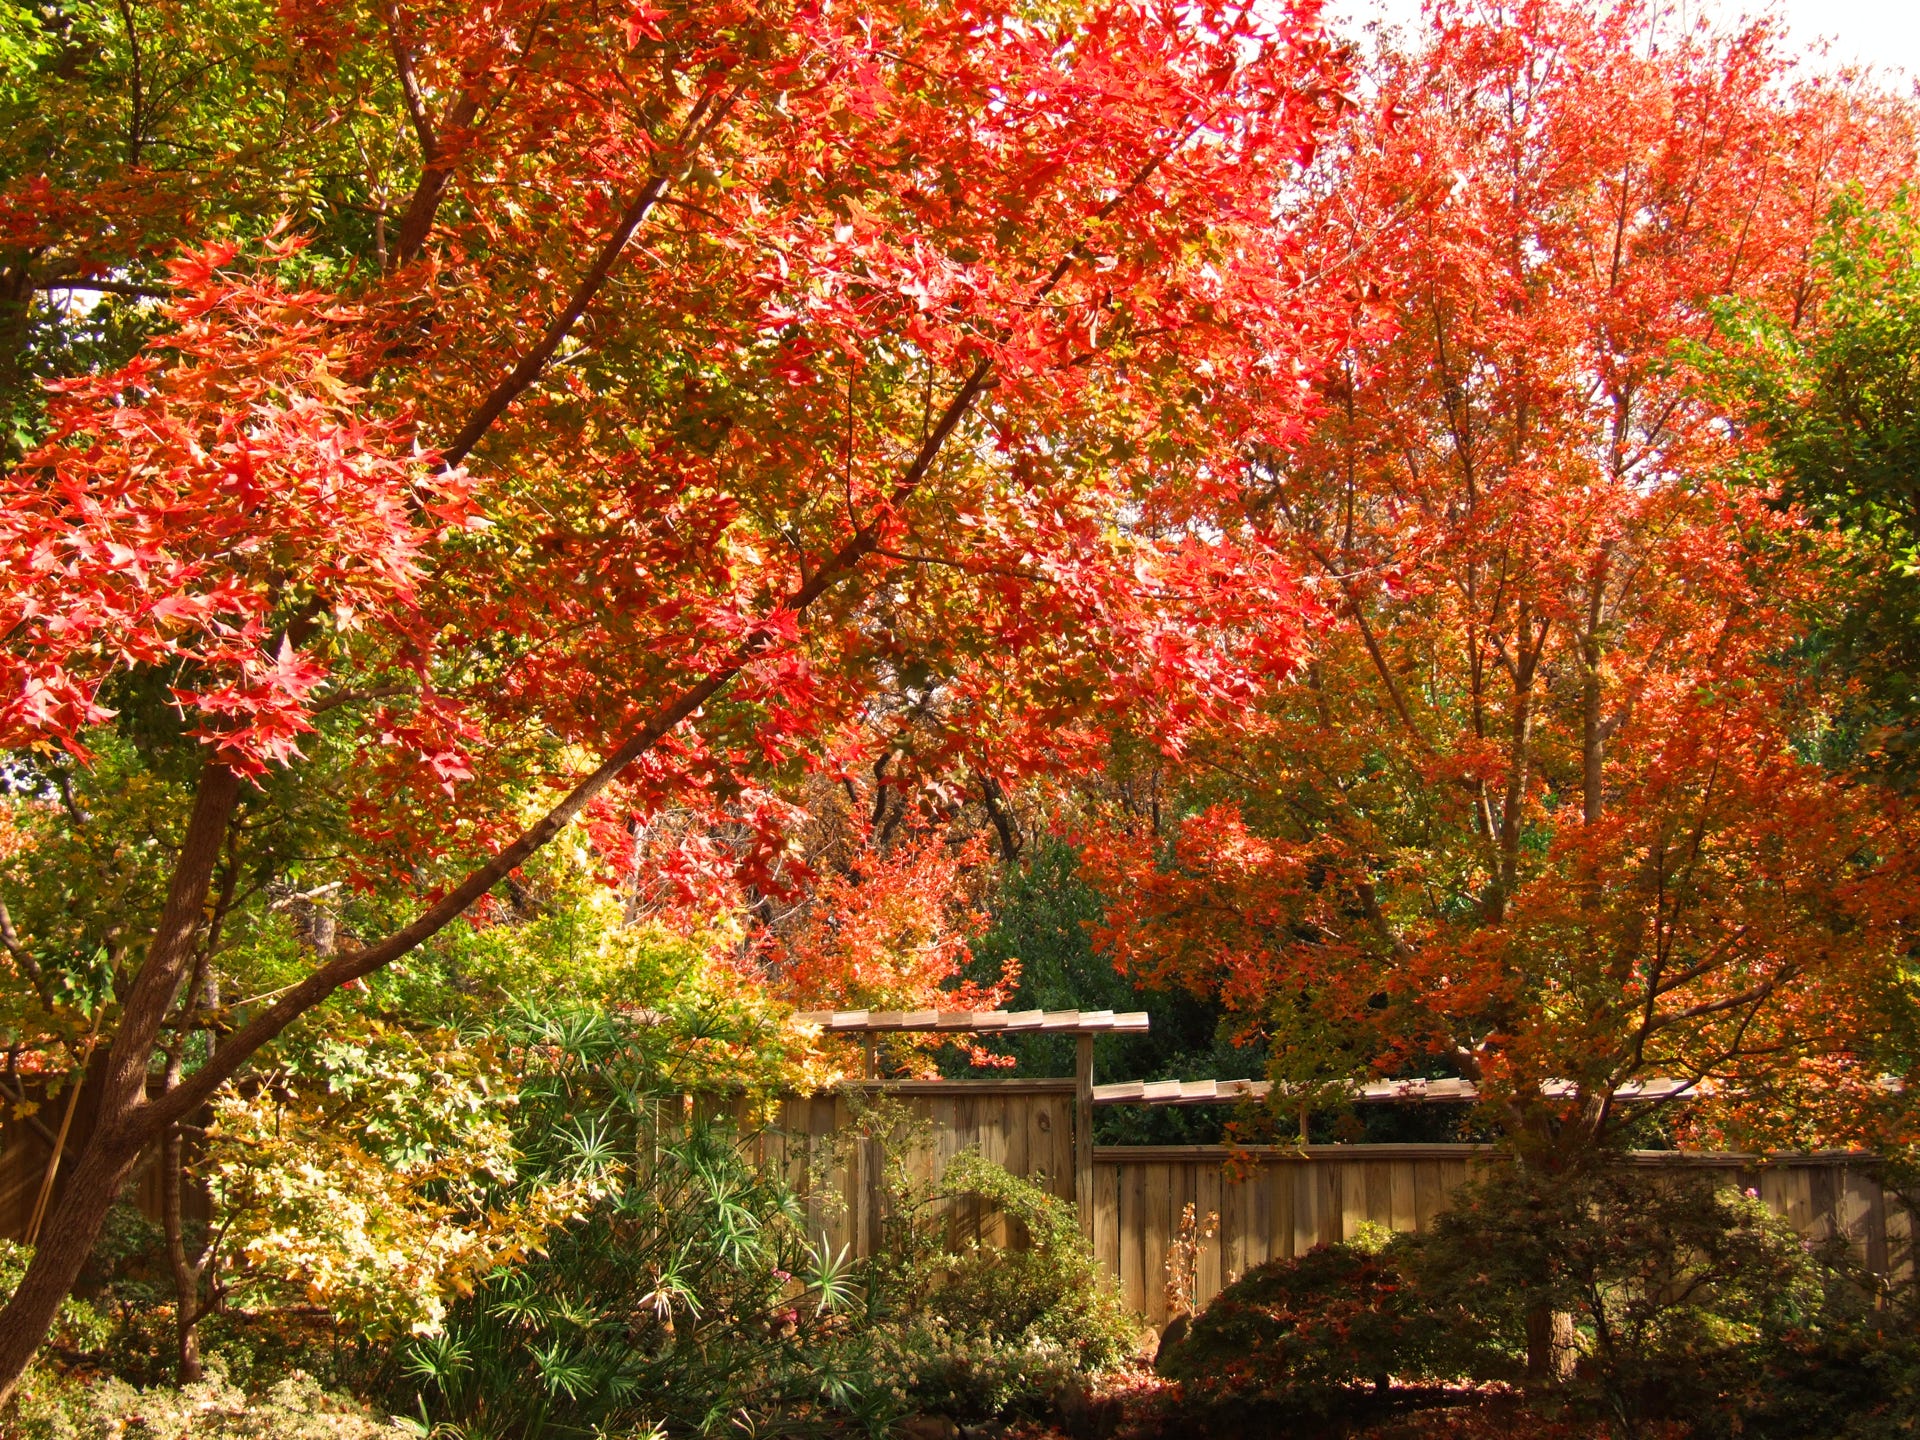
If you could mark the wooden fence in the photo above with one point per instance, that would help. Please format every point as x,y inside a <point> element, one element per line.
<point>1274,1201</point>
<point>1270,1201</point>
<point>818,1143</point>
<point>24,1153</point>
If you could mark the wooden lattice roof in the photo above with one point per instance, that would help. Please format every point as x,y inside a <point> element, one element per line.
<point>977,1022</point>
<point>1219,1092</point>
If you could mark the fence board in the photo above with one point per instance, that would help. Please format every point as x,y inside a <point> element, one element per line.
<point>1289,1200</point>
<point>1133,1235</point>
<point>1209,1200</point>
<point>1106,1217</point>
<point>1278,1182</point>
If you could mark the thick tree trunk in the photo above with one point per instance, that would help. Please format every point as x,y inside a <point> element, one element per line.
<point>1550,1346</point>
<point>121,1128</point>
<point>65,1243</point>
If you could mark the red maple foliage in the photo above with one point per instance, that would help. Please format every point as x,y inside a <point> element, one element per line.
<point>691,375</point>
<point>893,930</point>
<point>1547,801</point>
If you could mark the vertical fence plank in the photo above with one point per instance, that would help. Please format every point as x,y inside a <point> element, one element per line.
<point>1083,1132</point>
<point>827,1215</point>
<point>1304,1185</point>
<point>1156,1230</point>
<point>1823,1201</point>
<point>1277,1181</point>
<point>1106,1217</point>
<point>990,1119</point>
<point>1377,1187</point>
<point>1235,1197</point>
<point>1871,1201</point>
<point>1261,1228</point>
<point>1899,1232</point>
<point>1332,1200</point>
<point>1403,1179</point>
<point>1133,1257</point>
<point>1209,1199</point>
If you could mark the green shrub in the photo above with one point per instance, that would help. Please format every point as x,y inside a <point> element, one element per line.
<point>1310,1332</point>
<point>1690,1307</point>
<point>926,1366</point>
<point>78,1326</point>
<point>683,1291</point>
<point>1677,1290</point>
<point>1049,1297</point>
<point>1853,1379</point>
<point>685,1298</point>
<point>980,1331</point>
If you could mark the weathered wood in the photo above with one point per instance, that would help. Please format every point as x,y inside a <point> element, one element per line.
<point>1209,1201</point>
<point>1236,1225</point>
<point>1159,1215</point>
<point>1404,1213</point>
<point>1133,1244</point>
<point>1083,1133</point>
<point>1106,1217</point>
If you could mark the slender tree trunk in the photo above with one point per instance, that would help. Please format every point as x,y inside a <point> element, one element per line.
<point>1002,817</point>
<point>1593,734</point>
<point>186,1273</point>
<point>1593,744</point>
<point>121,1131</point>
<point>16,310</point>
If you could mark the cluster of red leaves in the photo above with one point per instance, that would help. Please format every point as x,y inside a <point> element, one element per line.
<point>1063,229</point>
<point>923,224</point>
<point>184,503</point>
<point>892,931</point>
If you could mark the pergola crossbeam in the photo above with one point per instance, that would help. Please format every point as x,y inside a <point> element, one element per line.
<point>1225,1092</point>
<point>976,1022</point>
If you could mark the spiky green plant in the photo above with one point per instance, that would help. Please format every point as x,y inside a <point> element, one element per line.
<point>684,1297</point>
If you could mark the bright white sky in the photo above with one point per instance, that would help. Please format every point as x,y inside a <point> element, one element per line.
<point>1884,34</point>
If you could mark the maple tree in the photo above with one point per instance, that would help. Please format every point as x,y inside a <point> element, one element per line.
<point>892,903</point>
<point>657,387</point>
<point>1545,803</point>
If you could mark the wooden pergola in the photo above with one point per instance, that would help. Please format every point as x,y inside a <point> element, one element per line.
<point>1084,1025</point>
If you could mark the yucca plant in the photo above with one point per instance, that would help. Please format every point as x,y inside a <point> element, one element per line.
<point>685,1295</point>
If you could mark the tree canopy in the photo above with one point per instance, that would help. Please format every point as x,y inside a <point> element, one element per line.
<point>659,396</point>
<point>681,513</point>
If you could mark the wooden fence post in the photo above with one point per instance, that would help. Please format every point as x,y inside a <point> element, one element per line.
<point>1083,1134</point>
